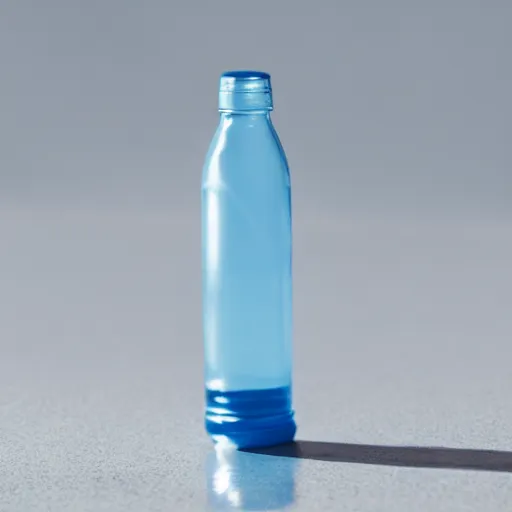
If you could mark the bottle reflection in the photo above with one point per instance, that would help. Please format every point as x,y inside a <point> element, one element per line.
<point>247,481</point>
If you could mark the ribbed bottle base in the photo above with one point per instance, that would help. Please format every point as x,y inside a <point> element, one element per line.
<point>250,419</point>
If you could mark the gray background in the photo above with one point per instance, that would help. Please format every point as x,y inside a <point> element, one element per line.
<point>396,119</point>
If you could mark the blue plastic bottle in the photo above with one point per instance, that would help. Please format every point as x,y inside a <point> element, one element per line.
<point>247,270</point>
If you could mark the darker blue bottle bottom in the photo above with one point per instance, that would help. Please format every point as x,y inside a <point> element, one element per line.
<point>250,419</point>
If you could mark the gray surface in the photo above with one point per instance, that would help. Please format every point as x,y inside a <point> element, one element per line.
<point>405,341</point>
<point>403,244</point>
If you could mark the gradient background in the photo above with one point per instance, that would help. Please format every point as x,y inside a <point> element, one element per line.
<point>396,119</point>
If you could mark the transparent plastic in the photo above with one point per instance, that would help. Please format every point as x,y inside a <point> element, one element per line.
<point>236,480</point>
<point>247,271</point>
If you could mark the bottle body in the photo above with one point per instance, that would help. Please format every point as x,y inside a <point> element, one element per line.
<point>247,283</point>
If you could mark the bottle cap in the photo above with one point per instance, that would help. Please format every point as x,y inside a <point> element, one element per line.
<point>245,91</point>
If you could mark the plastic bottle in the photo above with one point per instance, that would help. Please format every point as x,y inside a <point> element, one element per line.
<point>247,270</point>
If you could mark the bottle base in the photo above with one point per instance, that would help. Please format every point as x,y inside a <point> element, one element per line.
<point>257,438</point>
<point>250,419</point>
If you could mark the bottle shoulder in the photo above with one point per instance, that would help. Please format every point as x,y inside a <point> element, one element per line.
<point>246,151</point>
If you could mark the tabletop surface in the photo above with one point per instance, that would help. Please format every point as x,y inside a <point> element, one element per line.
<point>402,339</point>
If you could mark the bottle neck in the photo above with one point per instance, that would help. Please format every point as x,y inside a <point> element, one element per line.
<point>256,119</point>
<point>253,115</point>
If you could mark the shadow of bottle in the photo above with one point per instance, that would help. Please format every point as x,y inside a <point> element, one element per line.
<point>248,481</point>
<point>399,456</point>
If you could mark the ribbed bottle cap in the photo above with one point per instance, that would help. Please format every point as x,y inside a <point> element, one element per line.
<point>245,91</point>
